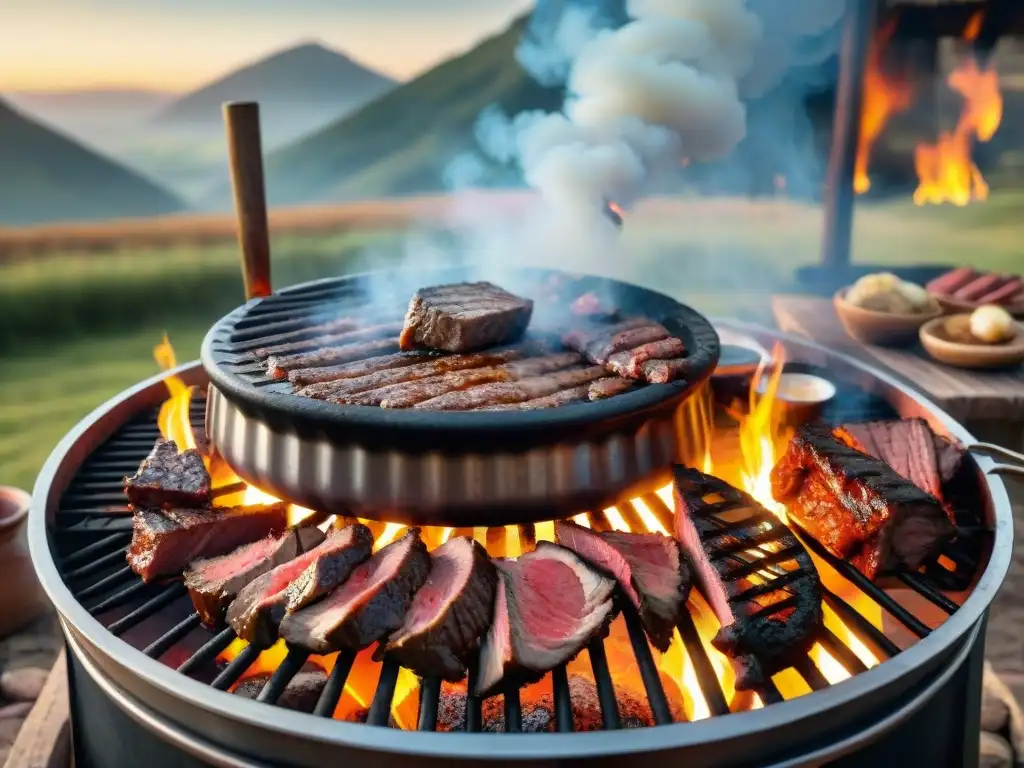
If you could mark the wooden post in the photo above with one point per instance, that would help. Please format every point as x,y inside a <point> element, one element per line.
<point>245,155</point>
<point>838,197</point>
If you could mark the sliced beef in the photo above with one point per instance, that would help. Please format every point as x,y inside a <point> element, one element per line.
<point>169,478</point>
<point>370,605</point>
<point>596,390</point>
<point>637,348</point>
<point>257,611</point>
<point>338,390</point>
<point>597,341</point>
<point>214,582</point>
<point>950,455</point>
<point>279,366</point>
<point>165,541</point>
<point>857,506</point>
<point>758,578</point>
<point>449,614</point>
<point>304,377</point>
<point>464,317</point>
<point>630,363</point>
<point>609,387</point>
<point>512,391</point>
<point>648,566</point>
<point>301,694</point>
<point>283,343</point>
<point>549,604</point>
<point>664,371</point>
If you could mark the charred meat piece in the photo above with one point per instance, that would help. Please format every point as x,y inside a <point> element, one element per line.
<point>549,604</point>
<point>512,391</point>
<point>279,366</point>
<point>449,614</point>
<point>301,694</point>
<point>596,390</point>
<point>630,362</point>
<point>463,317</point>
<point>214,582</point>
<point>856,505</point>
<point>599,343</point>
<point>280,343</point>
<point>758,578</point>
<point>664,371</point>
<point>648,566</point>
<point>370,605</point>
<point>304,377</point>
<point>167,478</point>
<point>165,541</point>
<point>257,611</point>
<point>338,390</point>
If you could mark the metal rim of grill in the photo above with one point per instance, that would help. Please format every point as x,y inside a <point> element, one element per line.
<point>921,665</point>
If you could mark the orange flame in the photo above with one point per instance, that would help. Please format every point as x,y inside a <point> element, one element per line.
<point>174,419</point>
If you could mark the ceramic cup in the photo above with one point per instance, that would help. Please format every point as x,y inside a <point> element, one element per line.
<point>21,597</point>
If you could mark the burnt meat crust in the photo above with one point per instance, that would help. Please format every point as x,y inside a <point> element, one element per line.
<point>168,477</point>
<point>463,317</point>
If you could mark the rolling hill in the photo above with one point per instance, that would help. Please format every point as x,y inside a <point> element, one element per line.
<point>299,89</point>
<point>402,142</point>
<point>48,177</point>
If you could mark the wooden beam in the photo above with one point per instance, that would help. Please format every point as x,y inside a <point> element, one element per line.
<point>915,21</point>
<point>44,740</point>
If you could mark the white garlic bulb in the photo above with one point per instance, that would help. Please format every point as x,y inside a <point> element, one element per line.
<point>991,324</point>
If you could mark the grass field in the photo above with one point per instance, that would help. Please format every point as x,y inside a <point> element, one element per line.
<point>79,327</point>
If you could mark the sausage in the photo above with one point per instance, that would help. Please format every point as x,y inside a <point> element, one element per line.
<point>954,280</point>
<point>979,287</point>
<point>1004,293</point>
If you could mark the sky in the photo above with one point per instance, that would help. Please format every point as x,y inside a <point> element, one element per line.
<point>176,45</point>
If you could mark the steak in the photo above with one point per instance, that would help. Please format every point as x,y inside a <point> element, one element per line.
<point>257,611</point>
<point>214,582</point>
<point>757,576</point>
<point>304,377</point>
<point>449,614</point>
<point>857,506</point>
<point>629,363</point>
<point>165,541</point>
<point>370,605</point>
<point>169,478</point>
<point>279,366</point>
<point>549,604</point>
<point>435,367</point>
<point>648,566</point>
<point>463,317</point>
<point>664,371</point>
<point>512,391</point>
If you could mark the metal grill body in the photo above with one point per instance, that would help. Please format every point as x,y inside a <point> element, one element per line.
<point>142,665</point>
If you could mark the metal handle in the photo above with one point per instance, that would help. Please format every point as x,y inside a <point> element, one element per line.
<point>998,452</point>
<point>245,155</point>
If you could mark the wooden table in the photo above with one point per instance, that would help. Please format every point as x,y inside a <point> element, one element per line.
<point>977,399</point>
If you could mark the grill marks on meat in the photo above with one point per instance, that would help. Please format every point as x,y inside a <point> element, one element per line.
<point>384,378</point>
<point>303,377</point>
<point>511,391</point>
<point>278,367</point>
<point>769,603</point>
<point>463,317</point>
<point>648,566</point>
<point>449,614</point>
<point>857,506</point>
<point>165,541</point>
<point>370,604</point>
<point>636,349</point>
<point>259,608</point>
<point>549,604</point>
<point>169,478</point>
<point>595,390</point>
<point>214,582</point>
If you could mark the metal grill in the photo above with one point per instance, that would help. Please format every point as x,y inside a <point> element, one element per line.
<point>92,530</point>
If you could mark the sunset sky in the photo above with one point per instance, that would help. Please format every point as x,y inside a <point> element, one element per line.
<point>57,45</point>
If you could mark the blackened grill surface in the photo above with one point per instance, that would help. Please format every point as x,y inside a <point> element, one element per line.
<point>229,363</point>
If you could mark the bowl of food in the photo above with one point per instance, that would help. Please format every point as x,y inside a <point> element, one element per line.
<point>965,289</point>
<point>884,310</point>
<point>988,337</point>
<point>801,397</point>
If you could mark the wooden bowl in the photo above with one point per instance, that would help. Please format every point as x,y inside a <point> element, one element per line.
<point>884,329</point>
<point>938,343</point>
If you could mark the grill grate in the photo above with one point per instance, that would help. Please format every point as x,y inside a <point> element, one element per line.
<point>91,534</point>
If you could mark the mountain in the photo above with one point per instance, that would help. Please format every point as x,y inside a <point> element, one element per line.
<point>49,177</point>
<point>106,106</point>
<point>299,89</point>
<point>403,142</point>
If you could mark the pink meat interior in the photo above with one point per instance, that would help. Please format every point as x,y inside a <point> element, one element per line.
<point>652,563</point>
<point>549,597</point>
<point>364,581</point>
<point>251,554</point>
<point>688,536</point>
<point>599,551</point>
<point>449,572</point>
<point>285,574</point>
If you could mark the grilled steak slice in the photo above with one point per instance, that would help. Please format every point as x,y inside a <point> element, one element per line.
<point>549,605</point>
<point>597,338</point>
<point>856,505</point>
<point>648,566</point>
<point>950,455</point>
<point>629,362</point>
<point>279,366</point>
<point>257,611</point>
<point>596,390</point>
<point>214,582</point>
<point>301,694</point>
<point>417,392</point>
<point>636,348</point>
<point>281,342</point>
<point>605,388</point>
<point>368,606</point>
<point>165,541</point>
<point>304,377</point>
<point>449,614</point>
<point>167,478</point>
<point>664,371</point>
<point>512,391</point>
<point>758,578</point>
<point>436,367</point>
<point>463,317</point>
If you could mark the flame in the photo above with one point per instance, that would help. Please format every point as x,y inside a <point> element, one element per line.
<point>884,95</point>
<point>174,419</point>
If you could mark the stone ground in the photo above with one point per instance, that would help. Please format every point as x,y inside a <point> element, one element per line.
<point>25,661</point>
